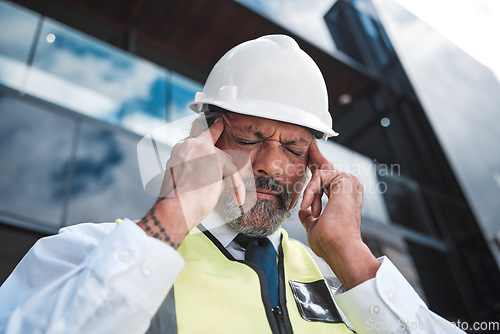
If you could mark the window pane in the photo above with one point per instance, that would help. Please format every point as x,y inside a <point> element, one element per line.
<point>35,152</point>
<point>405,203</point>
<point>82,74</point>
<point>342,35</point>
<point>17,30</point>
<point>107,183</point>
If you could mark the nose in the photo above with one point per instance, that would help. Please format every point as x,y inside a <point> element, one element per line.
<point>268,160</point>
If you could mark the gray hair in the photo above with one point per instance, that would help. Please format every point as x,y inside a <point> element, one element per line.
<point>211,113</point>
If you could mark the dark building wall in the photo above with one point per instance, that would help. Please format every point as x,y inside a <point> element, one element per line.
<point>14,243</point>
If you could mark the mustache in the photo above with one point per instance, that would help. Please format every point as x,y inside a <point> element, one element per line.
<point>269,183</point>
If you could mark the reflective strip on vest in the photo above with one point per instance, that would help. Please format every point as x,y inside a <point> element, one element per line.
<point>215,294</point>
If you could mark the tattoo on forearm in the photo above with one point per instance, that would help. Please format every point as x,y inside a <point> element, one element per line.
<point>155,229</point>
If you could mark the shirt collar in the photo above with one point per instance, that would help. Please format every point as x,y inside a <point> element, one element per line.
<point>224,233</point>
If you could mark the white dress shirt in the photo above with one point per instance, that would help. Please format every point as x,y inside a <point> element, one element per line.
<point>112,278</point>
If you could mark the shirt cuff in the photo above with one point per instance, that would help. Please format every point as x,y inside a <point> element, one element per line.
<point>140,267</point>
<point>386,298</point>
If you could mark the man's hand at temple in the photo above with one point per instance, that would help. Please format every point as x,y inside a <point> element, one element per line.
<point>334,234</point>
<point>192,185</point>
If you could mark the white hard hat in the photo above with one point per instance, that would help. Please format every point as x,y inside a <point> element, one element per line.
<point>269,77</point>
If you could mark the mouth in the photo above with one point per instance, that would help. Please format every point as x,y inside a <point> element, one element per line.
<point>266,194</point>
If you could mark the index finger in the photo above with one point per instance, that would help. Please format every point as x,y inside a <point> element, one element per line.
<point>316,160</point>
<point>213,133</point>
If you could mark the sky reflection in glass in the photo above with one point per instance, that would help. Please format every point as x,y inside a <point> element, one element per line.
<point>83,74</point>
<point>17,30</point>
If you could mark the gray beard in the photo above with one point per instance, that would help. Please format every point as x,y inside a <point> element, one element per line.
<point>260,221</point>
<point>263,219</point>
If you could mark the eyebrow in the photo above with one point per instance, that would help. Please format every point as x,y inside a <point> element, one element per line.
<point>250,128</point>
<point>296,141</point>
<point>255,130</point>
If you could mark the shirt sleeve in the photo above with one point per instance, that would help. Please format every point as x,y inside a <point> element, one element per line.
<point>89,278</point>
<point>389,304</point>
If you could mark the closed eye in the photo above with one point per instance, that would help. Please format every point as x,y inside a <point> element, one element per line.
<point>246,142</point>
<point>242,141</point>
<point>297,153</point>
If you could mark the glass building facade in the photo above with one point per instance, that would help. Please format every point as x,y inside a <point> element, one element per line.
<point>74,108</point>
<point>413,114</point>
<point>72,111</point>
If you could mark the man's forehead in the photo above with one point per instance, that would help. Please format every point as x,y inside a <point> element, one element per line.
<point>267,127</point>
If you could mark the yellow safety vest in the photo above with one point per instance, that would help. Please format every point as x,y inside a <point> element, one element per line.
<point>215,293</point>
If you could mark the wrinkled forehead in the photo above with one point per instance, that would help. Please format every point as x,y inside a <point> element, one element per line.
<point>266,128</point>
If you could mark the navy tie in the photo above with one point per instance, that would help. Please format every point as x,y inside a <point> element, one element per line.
<point>260,251</point>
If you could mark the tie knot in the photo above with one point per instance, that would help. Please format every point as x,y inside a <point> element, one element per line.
<point>244,240</point>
